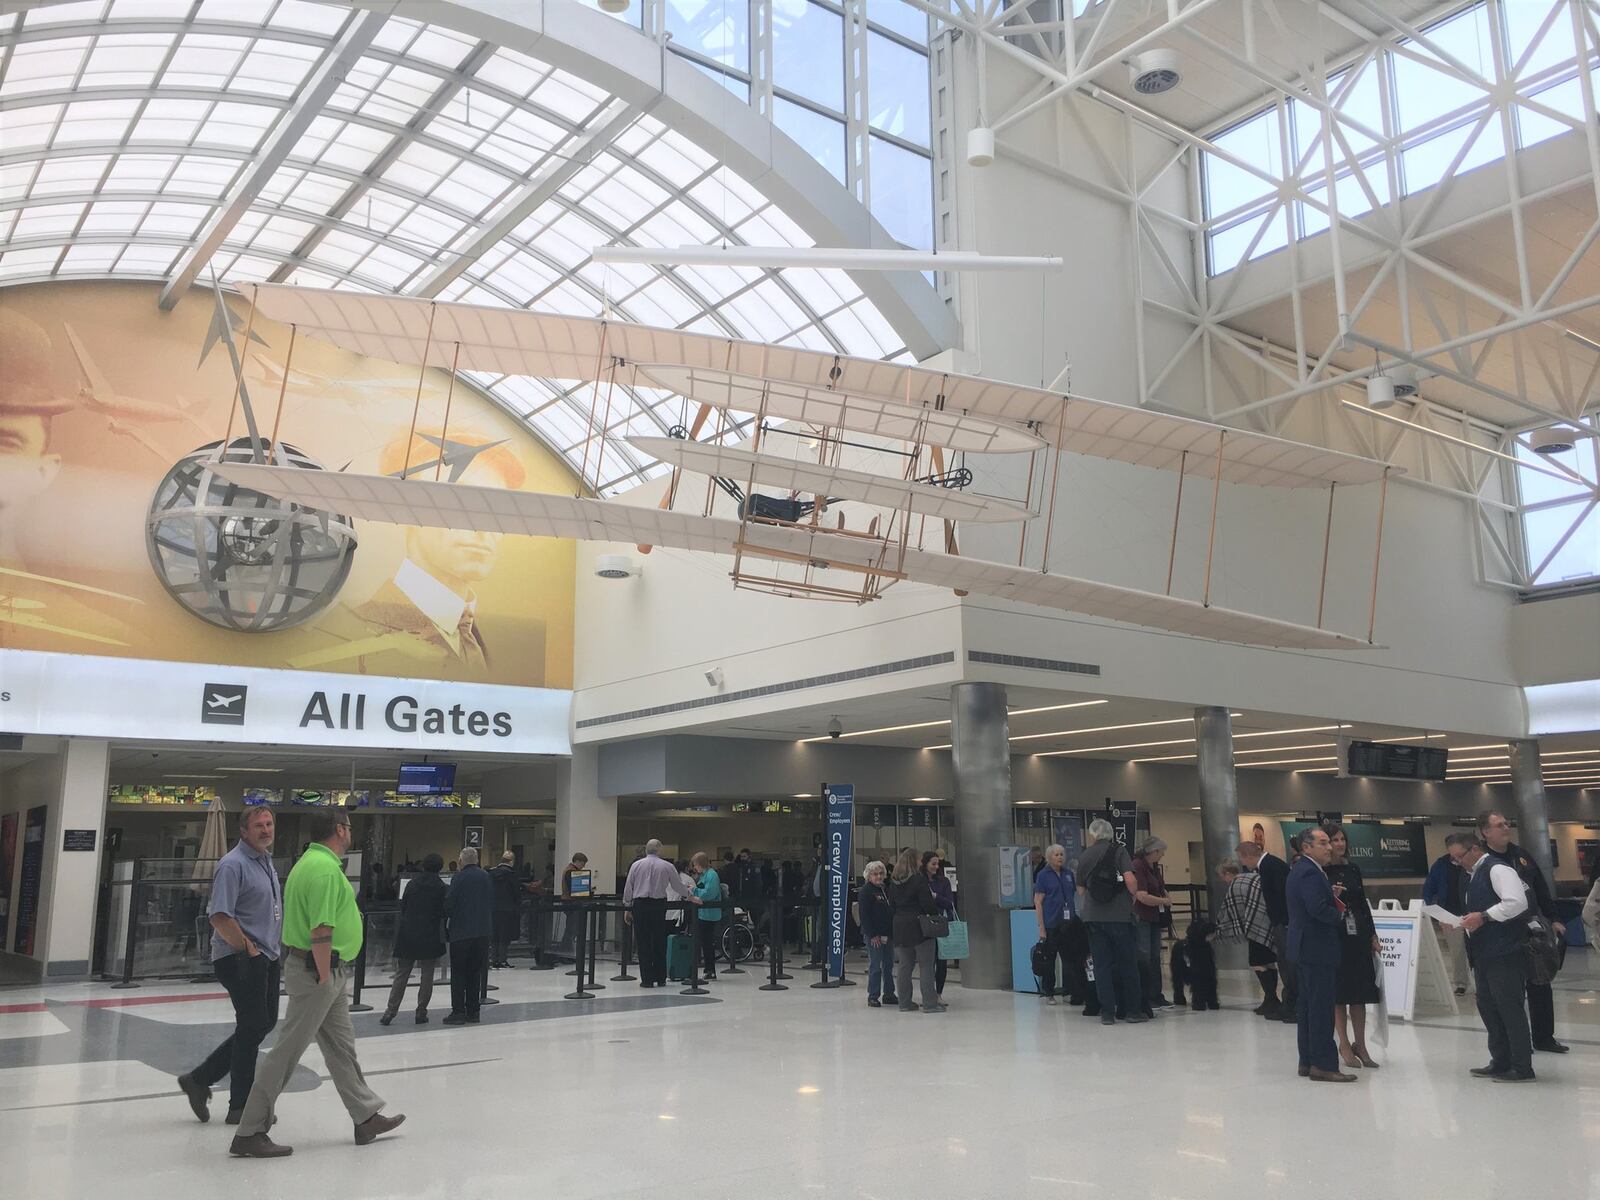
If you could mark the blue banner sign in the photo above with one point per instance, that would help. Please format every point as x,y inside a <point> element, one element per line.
<point>841,803</point>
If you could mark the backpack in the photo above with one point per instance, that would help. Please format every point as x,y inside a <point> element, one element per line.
<point>1105,881</point>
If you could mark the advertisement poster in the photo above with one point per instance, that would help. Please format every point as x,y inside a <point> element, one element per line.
<point>108,407</point>
<point>8,866</point>
<point>841,804</point>
<point>1066,830</point>
<point>1381,851</point>
<point>31,881</point>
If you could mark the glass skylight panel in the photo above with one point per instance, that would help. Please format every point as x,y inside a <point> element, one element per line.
<point>318,18</point>
<point>668,161</point>
<point>90,258</point>
<point>250,267</point>
<point>45,66</point>
<point>472,188</point>
<point>902,183</point>
<point>1541,30</point>
<point>1577,559</point>
<point>897,89</point>
<point>716,29</point>
<point>205,61</point>
<point>60,176</point>
<point>174,220</point>
<point>283,234</point>
<point>30,261</point>
<point>277,67</point>
<point>1425,163</point>
<point>820,136</point>
<point>46,221</point>
<point>899,17</point>
<point>1424,93</point>
<point>94,121</point>
<point>170,120</point>
<point>238,125</point>
<point>1565,98</point>
<point>808,51</point>
<point>67,14</point>
<point>355,146</point>
<point>1535,487</point>
<point>1352,199</point>
<point>567,96</point>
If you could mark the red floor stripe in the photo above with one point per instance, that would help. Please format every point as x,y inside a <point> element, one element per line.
<point>132,1001</point>
<point>15,1008</point>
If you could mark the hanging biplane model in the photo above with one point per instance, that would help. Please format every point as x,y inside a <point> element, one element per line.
<point>789,532</point>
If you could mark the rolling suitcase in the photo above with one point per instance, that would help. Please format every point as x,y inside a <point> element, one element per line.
<point>680,956</point>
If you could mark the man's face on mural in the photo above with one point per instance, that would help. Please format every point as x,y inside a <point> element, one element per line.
<point>26,468</point>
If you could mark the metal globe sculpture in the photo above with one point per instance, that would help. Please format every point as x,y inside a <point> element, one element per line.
<point>239,559</point>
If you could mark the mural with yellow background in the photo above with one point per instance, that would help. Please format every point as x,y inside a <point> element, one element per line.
<point>101,393</point>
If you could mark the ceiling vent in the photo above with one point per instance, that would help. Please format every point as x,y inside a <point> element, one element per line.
<point>1553,439</point>
<point>1155,72</point>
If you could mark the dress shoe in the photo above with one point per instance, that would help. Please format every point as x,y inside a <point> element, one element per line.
<point>908,1008</point>
<point>376,1126</point>
<point>422,1018</point>
<point>472,1018</point>
<point>1318,1075</point>
<point>935,1008</point>
<point>1490,1072</point>
<point>874,1002</point>
<point>258,1145</point>
<point>386,1019</point>
<point>456,1019</point>
<point>1137,1018</point>
<point>1368,1062</point>
<point>1107,1019</point>
<point>1259,1009</point>
<point>199,1096</point>
<point>895,1000</point>
<point>1551,1046</point>
<point>1304,1070</point>
<point>1289,1017</point>
<point>1515,1076</point>
<point>1049,999</point>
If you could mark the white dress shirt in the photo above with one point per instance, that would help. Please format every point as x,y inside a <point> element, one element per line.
<point>652,878</point>
<point>1507,885</point>
<point>435,601</point>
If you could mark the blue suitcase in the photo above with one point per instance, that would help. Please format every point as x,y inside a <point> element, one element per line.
<point>680,956</point>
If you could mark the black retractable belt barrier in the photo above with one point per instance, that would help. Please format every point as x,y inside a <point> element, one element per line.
<point>133,929</point>
<point>626,950</point>
<point>599,915</point>
<point>695,987</point>
<point>774,949</point>
<point>542,906</point>
<point>583,944</point>
<point>361,969</point>
<point>732,968</point>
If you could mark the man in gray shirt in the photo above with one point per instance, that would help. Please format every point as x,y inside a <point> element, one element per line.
<point>246,946</point>
<point>1106,885</point>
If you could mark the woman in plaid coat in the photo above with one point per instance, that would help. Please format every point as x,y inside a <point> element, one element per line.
<point>1243,916</point>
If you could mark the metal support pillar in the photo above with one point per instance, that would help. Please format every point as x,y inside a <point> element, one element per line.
<point>1219,807</point>
<point>981,752</point>
<point>1533,815</point>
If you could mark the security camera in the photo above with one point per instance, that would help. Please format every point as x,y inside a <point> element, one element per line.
<point>835,729</point>
<point>714,677</point>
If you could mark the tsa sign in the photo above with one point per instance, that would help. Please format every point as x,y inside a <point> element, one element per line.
<point>1016,879</point>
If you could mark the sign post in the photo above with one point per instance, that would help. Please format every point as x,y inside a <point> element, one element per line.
<point>840,799</point>
<point>1124,818</point>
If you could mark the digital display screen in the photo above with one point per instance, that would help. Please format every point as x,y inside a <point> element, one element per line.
<point>1398,762</point>
<point>426,779</point>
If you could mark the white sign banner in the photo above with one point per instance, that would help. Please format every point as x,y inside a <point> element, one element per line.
<point>1397,935</point>
<point>87,696</point>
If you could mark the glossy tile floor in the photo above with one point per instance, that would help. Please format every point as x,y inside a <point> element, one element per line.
<point>800,1093</point>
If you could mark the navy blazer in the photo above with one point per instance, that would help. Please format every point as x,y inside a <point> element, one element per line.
<point>1274,874</point>
<point>1314,919</point>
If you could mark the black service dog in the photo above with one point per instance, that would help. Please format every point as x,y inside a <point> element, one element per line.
<point>1194,965</point>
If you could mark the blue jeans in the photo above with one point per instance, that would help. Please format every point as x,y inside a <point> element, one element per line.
<point>880,970</point>
<point>1116,965</point>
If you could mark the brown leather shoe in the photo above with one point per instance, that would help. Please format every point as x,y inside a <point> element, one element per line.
<point>1318,1075</point>
<point>1304,1071</point>
<point>258,1145</point>
<point>376,1126</point>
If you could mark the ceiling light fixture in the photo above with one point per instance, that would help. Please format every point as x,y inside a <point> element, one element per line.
<point>1016,712</point>
<point>191,777</point>
<point>253,770</point>
<point>1184,741</point>
<point>1284,762</point>
<point>844,258</point>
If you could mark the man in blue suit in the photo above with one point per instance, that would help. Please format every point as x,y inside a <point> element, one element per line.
<point>1316,915</point>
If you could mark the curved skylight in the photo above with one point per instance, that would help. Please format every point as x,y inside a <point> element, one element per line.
<point>440,165</point>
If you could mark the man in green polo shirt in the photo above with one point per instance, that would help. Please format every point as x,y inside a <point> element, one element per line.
<point>321,938</point>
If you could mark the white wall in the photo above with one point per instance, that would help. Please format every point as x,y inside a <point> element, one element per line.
<point>1557,641</point>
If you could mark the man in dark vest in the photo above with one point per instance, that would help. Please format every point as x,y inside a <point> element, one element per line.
<point>1495,833</point>
<point>1497,934</point>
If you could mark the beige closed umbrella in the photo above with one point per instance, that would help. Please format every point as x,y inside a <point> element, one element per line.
<point>213,843</point>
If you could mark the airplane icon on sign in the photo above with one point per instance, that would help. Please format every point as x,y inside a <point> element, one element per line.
<point>223,704</point>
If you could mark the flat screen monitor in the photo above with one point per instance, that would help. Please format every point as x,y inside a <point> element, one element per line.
<point>426,779</point>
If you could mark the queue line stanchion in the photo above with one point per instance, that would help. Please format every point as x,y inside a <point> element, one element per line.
<point>625,948</point>
<point>777,915</point>
<point>732,968</point>
<point>583,915</point>
<point>696,984</point>
<point>542,906</point>
<point>594,946</point>
<point>583,944</point>
<point>361,967</point>
<point>774,949</point>
<point>133,929</point>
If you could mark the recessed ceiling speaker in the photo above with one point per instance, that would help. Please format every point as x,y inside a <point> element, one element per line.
<point>1155,72</point>
<point>980,147</point>
<point>1405,381</point>
<point>614,6</point>
<point>613,566</point>
<point>1553,439</point>
<point>1381,392</point>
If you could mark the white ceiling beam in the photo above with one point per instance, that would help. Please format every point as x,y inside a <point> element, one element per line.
<point>539,189</point>
<point>319,87</point>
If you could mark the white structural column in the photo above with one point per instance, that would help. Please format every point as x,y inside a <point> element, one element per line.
<point>585,820</point>
<point>1219,802</point>
<point>1532,815</point>
<point>71,883</point>
<point>981,756</point>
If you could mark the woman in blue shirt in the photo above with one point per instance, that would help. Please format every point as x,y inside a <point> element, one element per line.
<point>707,889</point>
<point>1055,896</point>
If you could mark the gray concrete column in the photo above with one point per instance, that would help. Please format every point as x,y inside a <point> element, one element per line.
<point>1533,817</point>
<point>1219,800</point>
<point>981,755</point>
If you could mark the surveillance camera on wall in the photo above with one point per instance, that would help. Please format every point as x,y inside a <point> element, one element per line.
<point>835,729</point>
<point>714,677</point>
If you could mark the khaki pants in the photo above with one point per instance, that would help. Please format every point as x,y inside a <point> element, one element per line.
<point>1455,957</point>
<point>315,1012</point>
